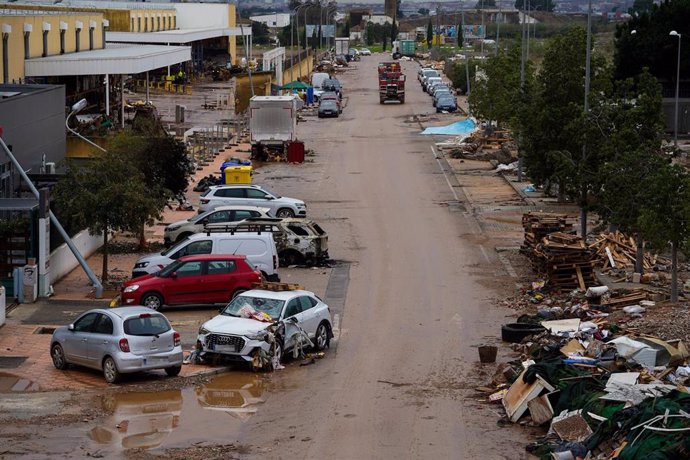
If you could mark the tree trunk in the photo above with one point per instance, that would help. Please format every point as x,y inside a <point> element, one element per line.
<point>104,274</point>
<point>142,238</point>
<point>639,256</point>
<point>674,273</point>
<point>561,192</point>
<point>583,212</point>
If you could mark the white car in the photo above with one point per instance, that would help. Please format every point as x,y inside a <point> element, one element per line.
<point>241,330</point>
<point>365,52</point>
<point>251,195</point>
<point>177,231</point>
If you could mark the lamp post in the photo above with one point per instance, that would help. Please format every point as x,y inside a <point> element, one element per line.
<point>306,38</point>
<point>673,33</point>
<point>78,107</point>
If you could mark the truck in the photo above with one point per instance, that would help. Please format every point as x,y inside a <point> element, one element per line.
<point>391,82</point>
<point>272,125</point>
<point>342,46</point>
<point>404,48</point>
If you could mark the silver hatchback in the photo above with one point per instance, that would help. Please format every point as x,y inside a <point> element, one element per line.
<point>118,341</point>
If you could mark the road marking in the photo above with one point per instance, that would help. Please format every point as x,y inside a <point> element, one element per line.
<point>481,247</point>
<point>445,173</point>
<point>508,266</point>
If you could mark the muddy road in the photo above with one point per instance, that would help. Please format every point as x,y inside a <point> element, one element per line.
<point>413,294</point>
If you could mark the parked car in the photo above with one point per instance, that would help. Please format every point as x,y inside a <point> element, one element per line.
<point>252,195</point>
<point>365,52</point>
<point>447,104</point>
<point>298,240</point>
<point>333,84</point>
<point>331,96</point>
<point>441,92</point>
<point>240,331</point>
<point>177,231</point>
<point>192,280</point>
<point>430,82</point>
<point>328,108</point>
<point>260,250</point>
<point>118,341</point>
<point>428,73</point>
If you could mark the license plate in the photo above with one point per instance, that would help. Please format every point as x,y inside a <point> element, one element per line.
<point>226,348</point>
<point>155,360</point>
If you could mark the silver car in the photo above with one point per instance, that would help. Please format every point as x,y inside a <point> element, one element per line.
<point>118,341</point>
<point>177,231</point>
<point>251,195</point>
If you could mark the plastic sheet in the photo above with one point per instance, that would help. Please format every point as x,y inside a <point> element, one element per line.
<point>460,127</point>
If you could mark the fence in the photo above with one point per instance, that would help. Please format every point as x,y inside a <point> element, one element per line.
<point>203,144</point>
<point>163,87</point>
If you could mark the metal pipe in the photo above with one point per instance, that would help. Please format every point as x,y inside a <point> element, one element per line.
<point>675,121</point>
<point>79,135</point>
<point>54,220</point>
<point>107,95</point>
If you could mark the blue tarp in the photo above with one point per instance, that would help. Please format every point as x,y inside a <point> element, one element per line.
<point>465,126</point>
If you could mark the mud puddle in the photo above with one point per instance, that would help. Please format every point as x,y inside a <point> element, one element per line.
<point>178,418</point>
<point>10,383</point>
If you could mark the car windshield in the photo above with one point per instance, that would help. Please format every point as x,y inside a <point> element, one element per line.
<point>328,104</point>
<point>244,306</point>
<point>146,324</point>
<point>172,249</point>
<point>168,269</point>
<point>198,217</point>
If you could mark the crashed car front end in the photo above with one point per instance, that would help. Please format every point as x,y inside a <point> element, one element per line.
<point>236,346</point>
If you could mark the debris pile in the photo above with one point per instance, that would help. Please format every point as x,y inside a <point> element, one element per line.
<point>539,224</point>
<point>604,386</point>
<point>565,261</point>
<point>617,250</point>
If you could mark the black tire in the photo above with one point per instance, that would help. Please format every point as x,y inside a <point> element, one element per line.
<point>182,236</point>
<point>152,300</point>
<point>173,371</point>
<point>58,356</point>
<point>290,257</point>
<point>402,100</point>
<point>110,372</point>
<point>322,338</point>
<point>285,212</point>
<point>515,332</point>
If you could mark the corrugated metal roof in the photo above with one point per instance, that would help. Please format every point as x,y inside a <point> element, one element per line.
<point>18,204</point>
<point>175,36</point>
<point>116,60</point>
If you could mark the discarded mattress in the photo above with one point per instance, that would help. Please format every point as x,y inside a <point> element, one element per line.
<point>459,127</point>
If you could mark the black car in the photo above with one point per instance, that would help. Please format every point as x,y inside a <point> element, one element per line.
<point>328,108</point>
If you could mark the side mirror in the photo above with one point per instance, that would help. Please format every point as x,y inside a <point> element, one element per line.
<point>70,327</point>
<point>173,275</point>
<point>269,197</point>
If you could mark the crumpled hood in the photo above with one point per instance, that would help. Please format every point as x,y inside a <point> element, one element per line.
<point>222,324</point>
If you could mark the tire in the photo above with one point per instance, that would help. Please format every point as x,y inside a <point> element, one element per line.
<point>182,236</point>
<point>290,257</point>
<point>152,300</point>
<point>322,338</point>
<point>58,356</point>
<point>110,372</point>
<point>515,332</point>
<point>402,100</point>
<point>173,371</point>
<point>285,212</point>
<point>238,292</point>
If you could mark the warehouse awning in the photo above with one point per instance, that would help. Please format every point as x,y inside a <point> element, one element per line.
<point>179,36</point>
<point>123,60</point>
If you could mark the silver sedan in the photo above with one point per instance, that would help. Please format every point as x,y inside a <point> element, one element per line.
<point>118,341</point>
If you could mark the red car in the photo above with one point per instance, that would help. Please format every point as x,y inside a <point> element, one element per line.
<point>194,280</point>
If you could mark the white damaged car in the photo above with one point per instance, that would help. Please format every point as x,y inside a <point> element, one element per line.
<point>266,323</point>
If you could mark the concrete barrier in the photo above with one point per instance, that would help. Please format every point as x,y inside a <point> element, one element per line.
<point>62,261</point>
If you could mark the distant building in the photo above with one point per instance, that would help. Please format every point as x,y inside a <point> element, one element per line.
<point>380,19</point>
<point>274,20</point>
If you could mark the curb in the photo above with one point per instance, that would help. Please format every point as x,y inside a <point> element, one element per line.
<point>210,372</point>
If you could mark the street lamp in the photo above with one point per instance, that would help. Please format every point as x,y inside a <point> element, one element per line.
<point>78,107</point>
<point>673,33</point>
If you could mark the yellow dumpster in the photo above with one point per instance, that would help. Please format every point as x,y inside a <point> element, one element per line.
<point>238,175</point>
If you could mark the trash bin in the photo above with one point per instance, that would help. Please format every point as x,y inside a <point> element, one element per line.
<point>2,305</point>
<point>30,283</point>
<point>295,152</point>
<point>238,175</point>
<point>229,163</point>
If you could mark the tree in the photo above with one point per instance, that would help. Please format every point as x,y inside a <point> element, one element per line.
<point>260,33</point>
<point>641,6</point>
<point>429,34</point>
<point>667,218</point>
<point>483,4</point>
<point>370,34</point>
<point>461,38</point>
<point>541,5</point>
<point>109,193</point>
<point>494,94</point>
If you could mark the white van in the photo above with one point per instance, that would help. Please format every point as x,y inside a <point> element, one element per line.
<point>259,248</point>
<point>317,80</point>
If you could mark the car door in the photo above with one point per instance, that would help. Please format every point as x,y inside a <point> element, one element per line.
<point>233,195</point>
<point>220,280</point>
<point>101,340</point>
<point>77,340</point>
<point>219,217</point>
<point>310,318</point>
<point>256,197</point>
<point>186,284</point>
<point>293,309</point>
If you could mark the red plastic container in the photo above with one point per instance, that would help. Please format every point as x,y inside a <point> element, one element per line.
<point>295,152</point>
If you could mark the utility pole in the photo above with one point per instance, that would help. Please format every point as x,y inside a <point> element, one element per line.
<point>438,27</point>
<point>467,56</point>
<point>588,60</point>
<point>529,10</point>
<point>522,86</point>
<point>498,25</point>
<point>483,31</point>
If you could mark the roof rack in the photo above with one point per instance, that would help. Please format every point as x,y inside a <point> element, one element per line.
<point>277,287</point>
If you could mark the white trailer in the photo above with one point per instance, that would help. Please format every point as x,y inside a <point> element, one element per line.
<point>272,123</point>
<point>342,45</point>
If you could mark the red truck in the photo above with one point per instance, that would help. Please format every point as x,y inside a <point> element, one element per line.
<point>391,82</point>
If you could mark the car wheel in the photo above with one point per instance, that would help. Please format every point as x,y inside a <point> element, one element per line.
<point>182,236</point>
<point>238,292</point>
<point>515,332</point>
<point>152,300</point>
<point>58,355</point>
<point>290,257</point>
<point>173,371</point>
<point>110,372</point>
<point>285,212</point>
<point>322,338</point>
